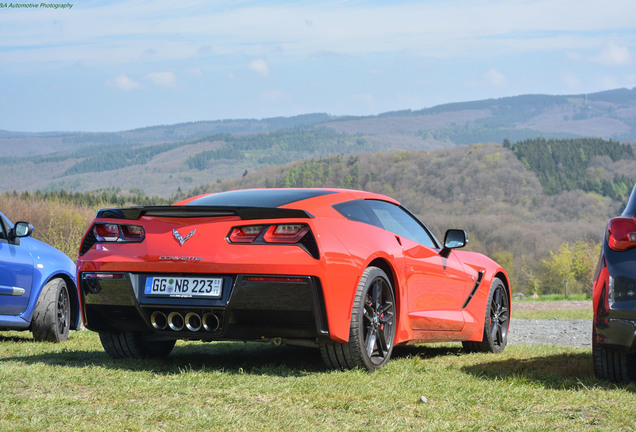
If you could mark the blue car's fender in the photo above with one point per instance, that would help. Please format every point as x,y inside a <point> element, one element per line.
<point>47,263</point>
<point>50,263</point>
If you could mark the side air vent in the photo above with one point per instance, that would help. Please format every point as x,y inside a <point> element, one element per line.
<point>480,277</point>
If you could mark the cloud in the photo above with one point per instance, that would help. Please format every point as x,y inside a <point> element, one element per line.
<point>206,50</point>
<point>162,79</point>
<point>260,67</point>
<point>117,32</point>
<point>149,53</point>
<point>410,100</point>
<point>195,71</point>
<point>496,78</point>
<point>608,81</point>
<point>570,79</point>
<point>123,82</point>
<point>274,96</point>
<point>366,99</point>
<point>614,55</point>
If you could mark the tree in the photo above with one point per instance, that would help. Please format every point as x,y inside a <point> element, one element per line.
<point>573,265</point>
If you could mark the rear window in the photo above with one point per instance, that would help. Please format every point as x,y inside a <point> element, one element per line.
<point>630,209</point>
<point>258,197</point>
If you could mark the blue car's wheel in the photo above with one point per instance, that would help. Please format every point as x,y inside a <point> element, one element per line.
<point>52,317</point>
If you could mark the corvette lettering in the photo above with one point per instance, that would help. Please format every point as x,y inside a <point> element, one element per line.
<point>183,258</point>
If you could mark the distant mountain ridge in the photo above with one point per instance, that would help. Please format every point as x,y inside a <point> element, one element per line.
<point>162,159</point>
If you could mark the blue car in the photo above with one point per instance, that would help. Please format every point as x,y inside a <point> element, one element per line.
<point>38,288</point>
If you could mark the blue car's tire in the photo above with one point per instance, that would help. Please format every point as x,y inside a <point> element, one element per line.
<point>128,344</point>
<point>51,320</point>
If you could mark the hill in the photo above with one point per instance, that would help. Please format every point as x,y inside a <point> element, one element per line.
<point>519,202</point>
<point>513,210</point>
<point>162,160</point>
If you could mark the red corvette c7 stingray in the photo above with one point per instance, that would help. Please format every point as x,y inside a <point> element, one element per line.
<point>352,273</point>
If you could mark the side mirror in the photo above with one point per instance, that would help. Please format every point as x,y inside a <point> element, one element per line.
<point>454,239</point>
<point>22,229</point>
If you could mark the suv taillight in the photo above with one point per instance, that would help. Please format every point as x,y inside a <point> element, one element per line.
<point>621,233</point>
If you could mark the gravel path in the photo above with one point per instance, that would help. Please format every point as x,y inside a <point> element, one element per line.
<point>572,332</point>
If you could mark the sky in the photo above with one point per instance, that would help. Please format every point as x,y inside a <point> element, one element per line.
<point>102,66</point>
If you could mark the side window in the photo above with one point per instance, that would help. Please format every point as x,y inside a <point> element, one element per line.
<point>358,211</point>
<point>3,232</point>
<point>386,216</point>
<point>400,222</point>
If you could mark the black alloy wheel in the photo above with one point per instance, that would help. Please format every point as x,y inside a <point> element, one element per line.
<point>373,325</point>
<point>497,321</point>
<point>378,321</point>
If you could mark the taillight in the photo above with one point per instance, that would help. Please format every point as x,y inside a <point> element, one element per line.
<point>246,234</point>
<point>288,233</point>
<point>621,233</point>
<point>133,232</point>
<point>107,232</point>
<point>281,234</point>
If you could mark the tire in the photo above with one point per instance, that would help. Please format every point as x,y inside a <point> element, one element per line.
<point>611,365</point>
<point>137,345</point>
<point>51,320</point>
<point>372,329</point>
<point>496,323</point>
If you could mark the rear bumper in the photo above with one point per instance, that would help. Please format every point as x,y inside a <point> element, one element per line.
<point>251,307</point>
<point>617,330</point>
<point>614,295</point>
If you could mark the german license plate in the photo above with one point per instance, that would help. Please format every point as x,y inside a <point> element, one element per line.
<point>171,286</point>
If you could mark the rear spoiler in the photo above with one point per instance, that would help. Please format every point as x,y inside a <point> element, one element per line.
<point>245,213</point>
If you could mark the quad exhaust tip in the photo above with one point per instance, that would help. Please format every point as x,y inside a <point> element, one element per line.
<point>159,320</point>
<point>175,321</point>
<point>210,322</point>
<point>192,321</point>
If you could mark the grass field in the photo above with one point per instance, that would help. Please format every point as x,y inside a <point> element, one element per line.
<point>75,386</point>
<point>555,313</point>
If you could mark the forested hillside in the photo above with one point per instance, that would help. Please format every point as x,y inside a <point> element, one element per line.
<point>493,191</point>
<point>164,159</point>
<point>489,190</point>
<point>566,165</point>
<point>532,178</point>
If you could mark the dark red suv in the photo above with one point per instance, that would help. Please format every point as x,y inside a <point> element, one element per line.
<point>614,299</point>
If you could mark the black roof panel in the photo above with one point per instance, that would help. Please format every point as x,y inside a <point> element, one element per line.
<point>258,197</point>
